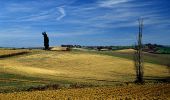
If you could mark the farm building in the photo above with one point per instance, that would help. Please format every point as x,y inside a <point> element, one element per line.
<point>60,49</point>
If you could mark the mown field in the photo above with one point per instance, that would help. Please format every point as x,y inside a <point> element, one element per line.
<point>89,69</point>
<point>161,59</point>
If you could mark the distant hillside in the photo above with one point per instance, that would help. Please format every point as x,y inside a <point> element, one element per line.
<point>155,48</point>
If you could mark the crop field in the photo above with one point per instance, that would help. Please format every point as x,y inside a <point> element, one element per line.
<point>161,59</point>
<point>147,92</point>
<point>102,71</point>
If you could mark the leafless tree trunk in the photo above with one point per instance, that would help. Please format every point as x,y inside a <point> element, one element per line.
<point>138,58</point>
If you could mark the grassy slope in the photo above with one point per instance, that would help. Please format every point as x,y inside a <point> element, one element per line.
<point>161,59</point>
<point>71,67</point>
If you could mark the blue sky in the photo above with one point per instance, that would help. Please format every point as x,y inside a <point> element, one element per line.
<point>84,22</point>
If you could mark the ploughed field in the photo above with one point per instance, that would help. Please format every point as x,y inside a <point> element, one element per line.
<point>131,92</point>
<point>103,70</point>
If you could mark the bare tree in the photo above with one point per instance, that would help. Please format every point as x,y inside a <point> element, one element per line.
<point>138,58</point>
<point>168,66</point>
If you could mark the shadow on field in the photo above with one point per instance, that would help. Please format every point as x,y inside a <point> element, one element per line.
<point>157,79</point>
<point>59,86</point>
<point>90,79</point>
<point>13,54</point>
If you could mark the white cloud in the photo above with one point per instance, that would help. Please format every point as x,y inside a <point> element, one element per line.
<point>19,8</point>
<point>110,3</point>
<point>62,12</point>
<point>46,15</point>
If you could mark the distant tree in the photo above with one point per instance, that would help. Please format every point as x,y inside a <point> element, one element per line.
<point>46,41</point>
<point>138,58</point>
<point>99,48</point>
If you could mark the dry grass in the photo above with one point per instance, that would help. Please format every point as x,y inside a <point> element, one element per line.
<point>78,66</point>
<point>7,52</point>
<point>125,51</point>
<point>147,92</point>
